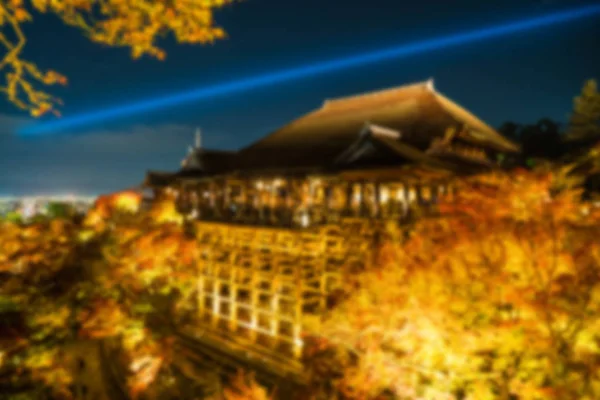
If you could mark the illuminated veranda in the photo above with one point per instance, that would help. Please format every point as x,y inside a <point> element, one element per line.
<point>313,201</point>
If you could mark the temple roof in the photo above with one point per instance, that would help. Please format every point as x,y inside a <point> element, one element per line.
<point>208,161</point>
<point>416,111</point>
<point>158,179</point>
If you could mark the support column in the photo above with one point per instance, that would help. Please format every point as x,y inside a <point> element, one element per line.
<point>233,292</point>
<point>361,200</point>
<point>227,200</point>
<point>405,200</point>
<point>349,199</point>
<point>328,199</point>
<point>290,202</point>
<point>377,203</point>
<point>254,301</point>
<point>216,296</point>
<point>297,324</point>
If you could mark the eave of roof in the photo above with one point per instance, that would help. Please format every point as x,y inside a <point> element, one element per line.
<point>479,130</point>
<point>416,110</point>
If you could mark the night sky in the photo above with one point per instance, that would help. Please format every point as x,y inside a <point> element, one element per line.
<point>521,78</point>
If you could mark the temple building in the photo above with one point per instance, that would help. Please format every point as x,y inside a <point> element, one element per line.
<point>373,155</point>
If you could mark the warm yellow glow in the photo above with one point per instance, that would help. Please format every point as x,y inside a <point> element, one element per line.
<point>216,302</point>
<point>259,185</point>
<point>400,194</point>
<point>426,193</point>
<point>128,201</point>
<point>305,220</point>
<point>412,194</point>
<point>384,195</point>
<point>315,181</point>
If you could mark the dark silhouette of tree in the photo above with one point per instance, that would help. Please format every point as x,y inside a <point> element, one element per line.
<point>542,140</point>
<point>584,125</point>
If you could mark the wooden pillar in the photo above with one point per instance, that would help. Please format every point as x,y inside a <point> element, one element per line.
<point>212,193</point>
<point>254,300</point>
<point>248,200</point>
<point>274,328</point>
<point>233,292</point>
<point>328,199</point>
<point>290,201</point>
<point>226,199</point>
<point>259,200</point>
<point>434,193</point>
<point>404,198</point>
<point>349,198</point>
<point>412,194</point>
<point>419,195</point>
<point>377,201</point>
<point>200,288</point>
<point>297,324</point>
<point>216,295</point>
<point>361,202</point>
<point>274,202</point>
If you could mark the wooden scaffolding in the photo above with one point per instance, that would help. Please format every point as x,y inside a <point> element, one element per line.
<point>264,284</point>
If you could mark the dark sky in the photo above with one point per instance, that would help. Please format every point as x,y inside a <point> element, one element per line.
<point>522,78</point>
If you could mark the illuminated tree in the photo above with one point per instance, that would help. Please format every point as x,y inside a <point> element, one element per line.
<point>131,24</point>
<point>585,120</point>
<point>499,298</point>
<point>107,279</point>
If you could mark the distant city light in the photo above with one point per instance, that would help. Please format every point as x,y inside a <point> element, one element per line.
<point>275,77</point>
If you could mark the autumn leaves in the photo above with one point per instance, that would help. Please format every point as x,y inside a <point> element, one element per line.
<point>136,25</point>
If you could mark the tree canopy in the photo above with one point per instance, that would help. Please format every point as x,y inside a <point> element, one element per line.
<point>584,124</point>
<point>136,25</point>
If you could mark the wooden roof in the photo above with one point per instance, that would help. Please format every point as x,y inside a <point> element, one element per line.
<point>208,161</point>
<point>416,111</point>
<point>158,179</point>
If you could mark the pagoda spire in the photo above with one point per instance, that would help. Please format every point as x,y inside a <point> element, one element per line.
<point>198,142</point>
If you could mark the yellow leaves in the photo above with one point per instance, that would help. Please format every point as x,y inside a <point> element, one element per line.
<point>104,319</point>
<point>128,201</point>
<point>131,24</point>
<point>165,211</point>
<point>145,369</point>
<point>53,77</point>
<point>499,291</point>
<point>55,319</point>
<point>21,15</point>
<point>244,387</point>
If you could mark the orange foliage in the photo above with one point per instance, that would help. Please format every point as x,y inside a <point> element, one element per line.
<point>498,297</point>
<point>244,387</point>
<point>63,276</point>
<point>131,24</point>
<point>107,205</point>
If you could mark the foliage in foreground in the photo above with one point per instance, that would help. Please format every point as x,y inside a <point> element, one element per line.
<point>63,282</point>
<point>497,299</point>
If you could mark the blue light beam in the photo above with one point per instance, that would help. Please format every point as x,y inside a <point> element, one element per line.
<point>304,71</point>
